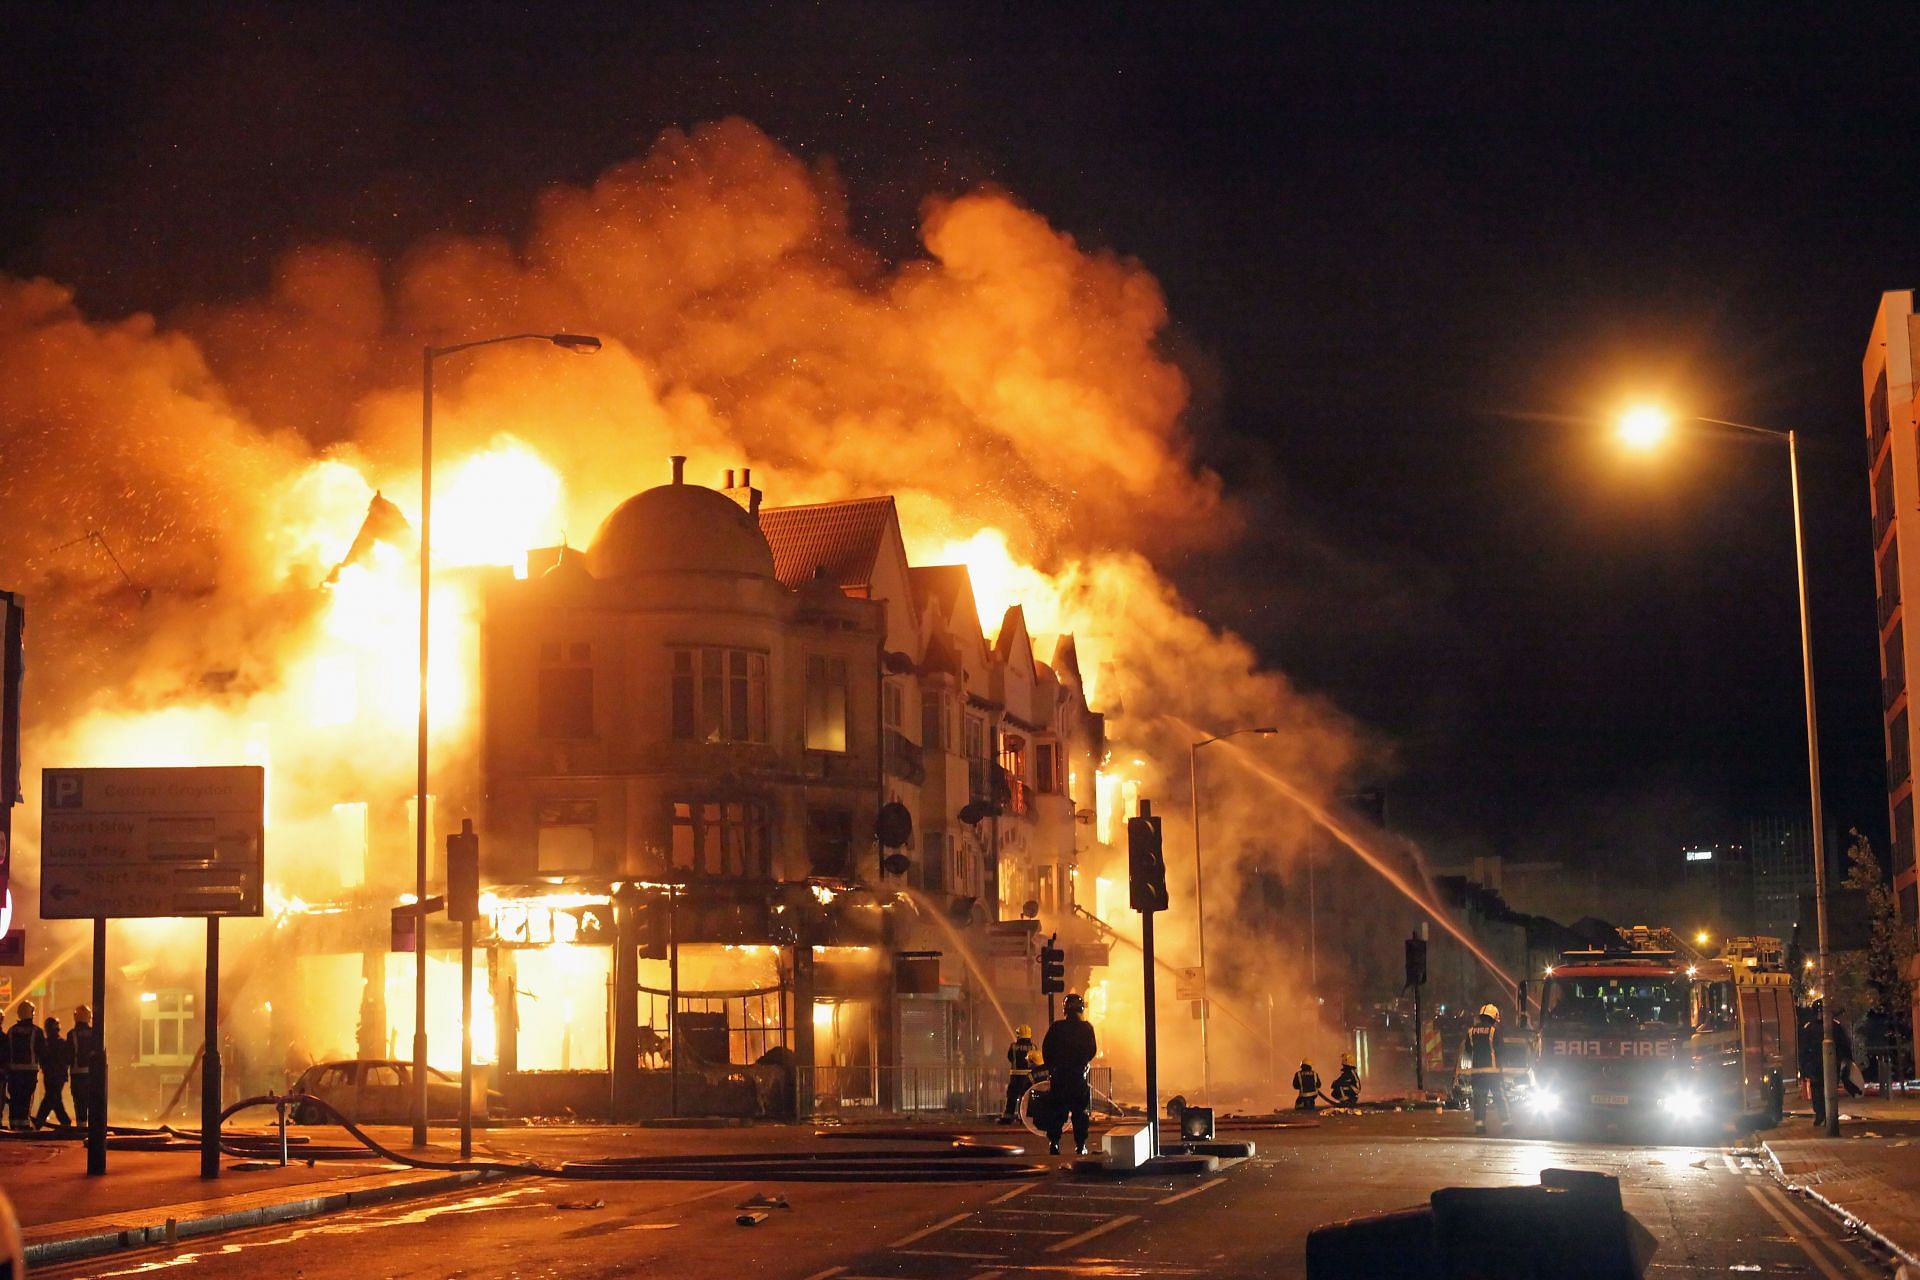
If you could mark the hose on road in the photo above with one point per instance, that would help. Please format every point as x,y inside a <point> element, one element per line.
<point>962,1162</point>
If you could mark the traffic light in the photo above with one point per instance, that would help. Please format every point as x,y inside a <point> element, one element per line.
<point>1147,868</point>
<point>1053,970</point>
<point>463,873</point>
<point>1416,962</point>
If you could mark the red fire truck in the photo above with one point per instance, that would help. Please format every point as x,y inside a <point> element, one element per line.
<point>1652,1029</point>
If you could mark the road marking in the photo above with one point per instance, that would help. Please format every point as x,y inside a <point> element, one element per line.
<point>951,1253</point>
<point>924,1232</point>
<point>1057,1213</point>
<point>1020,1190</point>
<point>1731,1166</point>
<point>1192,1191</point>
<point>1084,1236</point>
<point>828,1274</point>
<point>1005,1229</point>
<point>985,1275</point>
<point>1819,1260</point>
<point>1091,1195</point>
<point>1799,1214</point>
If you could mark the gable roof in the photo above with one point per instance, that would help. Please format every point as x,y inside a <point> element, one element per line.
<point>837,540</point>
<point>942,583</point>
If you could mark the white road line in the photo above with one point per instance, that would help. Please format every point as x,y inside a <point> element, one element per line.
<point>1800,1215</point>
<point>951,1253</point>
<point>1020,1190</point>
<point>1075,1241</point>
<point>1731,1166</point>
<point>985,1275</point>
<point>1089,1196</point>
<point>1055,1213</point>
<point>1008,1229</point>
<point>1818,1259</point>
<point>924,1232</point>
<point>1192,1191</point>
<point>828,1274</point>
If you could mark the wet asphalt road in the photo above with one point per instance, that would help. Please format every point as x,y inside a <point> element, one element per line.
<point>1711,1211</point>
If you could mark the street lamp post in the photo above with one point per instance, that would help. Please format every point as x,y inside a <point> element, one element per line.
<point>585,345</point>
<point>1645,428</point>
<point>1200,902</point>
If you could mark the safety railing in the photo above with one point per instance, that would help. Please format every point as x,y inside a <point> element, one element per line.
<point>940,1089</point>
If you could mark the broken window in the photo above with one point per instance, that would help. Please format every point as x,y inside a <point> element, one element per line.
<point>565,690</point>
<point>719,695</point>
<point>829,842</point>
<point>721,840</point>
<point>826,703</point>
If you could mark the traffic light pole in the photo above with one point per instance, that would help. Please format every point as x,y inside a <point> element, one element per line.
<point>1419,1045</point>
<point>1153,1053</point>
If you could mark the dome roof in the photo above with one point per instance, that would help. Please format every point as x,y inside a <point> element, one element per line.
<point>679,528</point>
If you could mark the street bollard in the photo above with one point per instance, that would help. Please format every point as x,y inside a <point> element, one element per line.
<point>280,1105</point>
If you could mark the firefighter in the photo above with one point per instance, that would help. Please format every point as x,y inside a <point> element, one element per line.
<point>81,1041</point>
<point>1480,1062</point>
<point>1019,1071</point>
<point>1346,1085</point>
<point>1069,1050</point>
<point>1306,1088</point>
<point>24,1042</point>
<point>56,1059</point>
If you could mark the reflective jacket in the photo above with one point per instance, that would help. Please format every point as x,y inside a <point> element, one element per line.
<point>1480,1052</point>
<point>1346,1085</point>
<point>24,1041</point>
<point>1306,1081</point>
<point>1020,1057</point>
<point>80,1040</point>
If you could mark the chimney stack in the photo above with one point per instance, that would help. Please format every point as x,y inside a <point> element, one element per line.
<point>744,493</point>
<point>679,461</point>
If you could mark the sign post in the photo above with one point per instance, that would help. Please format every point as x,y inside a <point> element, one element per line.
<point>145,843</point>
<point>463,904</point>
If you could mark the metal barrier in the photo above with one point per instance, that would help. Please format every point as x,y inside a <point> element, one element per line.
<point>939,1089</point>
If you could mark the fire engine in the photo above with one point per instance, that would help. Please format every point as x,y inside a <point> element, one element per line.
<point>1652,1028</point>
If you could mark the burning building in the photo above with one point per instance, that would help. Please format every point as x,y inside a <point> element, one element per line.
<point>815,819</point>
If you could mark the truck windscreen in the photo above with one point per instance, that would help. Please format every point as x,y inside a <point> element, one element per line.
<point>1624,1003</point>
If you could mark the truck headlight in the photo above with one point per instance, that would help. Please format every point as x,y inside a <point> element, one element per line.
<point>1544,1100</point>
<point>1682,1102</point>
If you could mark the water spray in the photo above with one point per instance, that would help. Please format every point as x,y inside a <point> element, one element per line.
<point>928,911</point>
<point>1342,831</point>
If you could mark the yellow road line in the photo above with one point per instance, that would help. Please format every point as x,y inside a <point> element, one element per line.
<point>1800,1215</point>
<point>1819,1260</point>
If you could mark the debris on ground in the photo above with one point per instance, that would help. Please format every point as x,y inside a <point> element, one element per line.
<point>580,1204</point>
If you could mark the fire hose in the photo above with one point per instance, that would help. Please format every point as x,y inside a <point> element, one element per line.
<point>963,1161</point>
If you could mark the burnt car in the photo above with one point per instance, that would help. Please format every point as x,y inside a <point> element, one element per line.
<point>380,1091</point>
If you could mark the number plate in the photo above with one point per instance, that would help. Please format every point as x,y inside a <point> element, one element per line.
<point>1609,1099</point>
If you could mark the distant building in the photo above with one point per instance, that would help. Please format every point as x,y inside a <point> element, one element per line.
<point>1716,882</point>
<point>1893,467</point>
<point>1780,850</point>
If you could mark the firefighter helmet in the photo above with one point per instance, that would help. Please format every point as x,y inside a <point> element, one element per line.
<point>1490,1011</point>
<point>1346,1059</point>
<point>26,1010</point>
<point>1076,1003</point>
<point>53,1025</point>
<point>82,1015</point>
<point>1023,1032</point>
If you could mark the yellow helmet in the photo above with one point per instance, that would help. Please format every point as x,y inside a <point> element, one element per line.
<point>1023,1032</point>
<point>1035,1059</point>
<point>1490,1011</point>
<point>1346,1059</point>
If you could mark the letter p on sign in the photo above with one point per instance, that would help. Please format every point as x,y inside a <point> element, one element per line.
<point>64,790</point>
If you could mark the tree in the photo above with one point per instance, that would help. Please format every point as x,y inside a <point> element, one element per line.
<point>1876,978</point>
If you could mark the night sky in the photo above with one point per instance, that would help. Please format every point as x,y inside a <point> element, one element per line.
<point>1411,262</point>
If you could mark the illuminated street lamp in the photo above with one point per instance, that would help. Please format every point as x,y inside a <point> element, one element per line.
<point>1199,899</point>
<point>1644,428</point>
<point>585,345</point>
<point>1702,938</point>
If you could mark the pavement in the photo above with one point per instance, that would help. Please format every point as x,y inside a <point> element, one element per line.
<point>147,1197</point>
<point>1870,1175</point>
